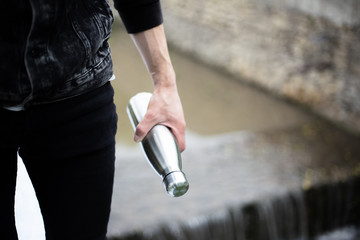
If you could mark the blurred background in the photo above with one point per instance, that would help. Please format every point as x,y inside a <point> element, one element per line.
<point>270,90</point>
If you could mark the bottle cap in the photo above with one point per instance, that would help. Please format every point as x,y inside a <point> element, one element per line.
<point>176,184</point>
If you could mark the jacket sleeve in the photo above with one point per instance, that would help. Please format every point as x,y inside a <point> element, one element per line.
<point>139,15</point>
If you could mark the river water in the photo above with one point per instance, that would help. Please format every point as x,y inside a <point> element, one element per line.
<point>213,102</point>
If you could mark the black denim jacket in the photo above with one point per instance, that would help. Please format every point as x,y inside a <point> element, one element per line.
<point>55,49</point>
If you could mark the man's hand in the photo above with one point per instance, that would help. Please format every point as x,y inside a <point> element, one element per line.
<point>165,107</point>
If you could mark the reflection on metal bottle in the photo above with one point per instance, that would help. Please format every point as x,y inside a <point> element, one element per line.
<point>160,148</point>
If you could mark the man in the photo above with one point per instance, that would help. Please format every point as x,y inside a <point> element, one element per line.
<point>57,110</point>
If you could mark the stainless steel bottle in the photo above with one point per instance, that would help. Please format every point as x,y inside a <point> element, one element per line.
<point>160,148</point>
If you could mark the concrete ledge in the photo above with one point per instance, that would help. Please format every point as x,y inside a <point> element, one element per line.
<point>344,12</point>
<point>302,181</point>
<point>307,53</point>
<point>295,215</point>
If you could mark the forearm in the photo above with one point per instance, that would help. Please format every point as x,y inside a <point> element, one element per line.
<point>165,106</point>
<point>154,51</point>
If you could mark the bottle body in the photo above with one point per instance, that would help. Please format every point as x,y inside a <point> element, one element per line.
<point>160,148</point>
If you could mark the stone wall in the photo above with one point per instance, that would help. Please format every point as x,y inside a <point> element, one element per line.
<point>307,51</point>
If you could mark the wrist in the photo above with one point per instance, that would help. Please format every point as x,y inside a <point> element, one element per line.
<point>164,80</point>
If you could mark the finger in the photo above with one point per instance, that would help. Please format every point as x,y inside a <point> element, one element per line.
<point>149,122</point>
<point>144,127</point>
<point>179,134</point>
<point>180,138</point>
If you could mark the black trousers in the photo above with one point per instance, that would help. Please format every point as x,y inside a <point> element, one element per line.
<point>68,148</point>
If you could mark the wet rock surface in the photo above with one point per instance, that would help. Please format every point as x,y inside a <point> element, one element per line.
<point>232,170</point>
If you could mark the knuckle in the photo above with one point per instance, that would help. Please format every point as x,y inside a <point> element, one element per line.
<point>140,130</point>
<point>150,116</point>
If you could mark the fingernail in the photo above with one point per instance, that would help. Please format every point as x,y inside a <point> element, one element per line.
<point>137,138</point>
